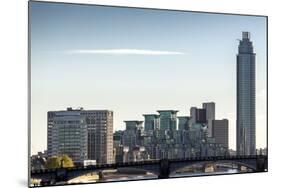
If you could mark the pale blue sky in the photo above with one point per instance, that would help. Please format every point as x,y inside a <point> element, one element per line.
<point>137,61</point>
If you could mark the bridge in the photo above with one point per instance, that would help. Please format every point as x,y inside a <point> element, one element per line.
<point>162,168</point>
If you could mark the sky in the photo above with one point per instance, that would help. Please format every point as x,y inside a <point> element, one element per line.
<point>137,61</point>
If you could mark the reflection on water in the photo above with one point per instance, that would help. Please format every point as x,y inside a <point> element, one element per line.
<point>181,174</point>
<point>188,174</point>
<point>129,177</point>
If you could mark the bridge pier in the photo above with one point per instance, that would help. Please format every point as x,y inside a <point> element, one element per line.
<point>261,164</point>
<point>101,176</point>
<point>61,174</point>
<point>208,167</point>
<point>164,169</point>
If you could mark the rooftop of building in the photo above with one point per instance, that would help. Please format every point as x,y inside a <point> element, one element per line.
<point>172,111</point>
<point>79,109</point>
<point>133,121</point>
<point>188,117</point>
<point>151,115</point>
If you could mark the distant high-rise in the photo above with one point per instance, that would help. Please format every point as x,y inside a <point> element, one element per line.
<point>132,134</point>
<point>67,135</point>
<point>133,125</point>
<point>81,134</point>
<point>210,115</point>
<point>197,115</point>
<point>151,122</point>
<point>220,131</point>
<point>192,116</point>
<point>168,119</point>
<point>246,97</point>
<point>183,122</point>
<point>201,116</point>
<point>100,135</point>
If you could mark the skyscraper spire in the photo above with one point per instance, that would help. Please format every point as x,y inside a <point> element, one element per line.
<point>246,35</point>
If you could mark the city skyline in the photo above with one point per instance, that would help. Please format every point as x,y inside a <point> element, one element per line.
<point>84,134</point>
<point>174,76</point>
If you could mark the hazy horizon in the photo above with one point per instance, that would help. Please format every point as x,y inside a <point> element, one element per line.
<point>137,61</point>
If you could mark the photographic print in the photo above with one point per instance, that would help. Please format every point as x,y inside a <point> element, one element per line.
<point>127,93</point>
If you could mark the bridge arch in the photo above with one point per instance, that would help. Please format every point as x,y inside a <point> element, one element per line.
<point>141,169</point>
<point>180,166</point>
<point>137,170</point>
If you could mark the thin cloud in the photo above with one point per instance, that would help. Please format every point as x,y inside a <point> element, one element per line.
<point>124,52</point>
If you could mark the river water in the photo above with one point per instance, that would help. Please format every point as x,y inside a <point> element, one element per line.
<point>228,171</point>
<point>184,174</point>
<point>126,177</point>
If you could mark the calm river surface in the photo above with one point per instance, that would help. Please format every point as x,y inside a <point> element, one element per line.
<point>151,176</point>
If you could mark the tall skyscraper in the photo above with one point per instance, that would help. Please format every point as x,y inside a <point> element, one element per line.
<point>210,116</point>
<point>220,132</point>
<point>81,134</point>
<point>246,97</point>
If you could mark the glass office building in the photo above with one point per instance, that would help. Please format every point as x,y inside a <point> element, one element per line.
<point>151,122</point>
<point>67,135</point>
<point>183,122</point>
<point>168,119</point>
<point>81,134</point>
<point>246,114</point>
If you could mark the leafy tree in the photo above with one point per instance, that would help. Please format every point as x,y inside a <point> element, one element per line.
<point>57,161</point>
<point>67,161</point>
<point>53,162</point>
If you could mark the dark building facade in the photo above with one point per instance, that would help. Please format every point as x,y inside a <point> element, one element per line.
<point>183,122</point>
<point>246,97</point>
<point>100,135</point>
<point>220,132</point>
<point>210,115</point>
<point>132,134</point>
<point>201,116</point>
